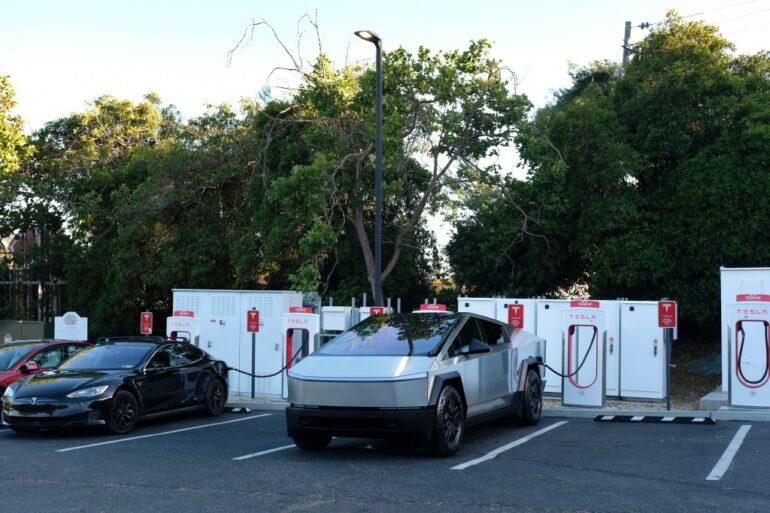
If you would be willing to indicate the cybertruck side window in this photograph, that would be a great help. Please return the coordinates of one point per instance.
(494, 333)
(463, 340)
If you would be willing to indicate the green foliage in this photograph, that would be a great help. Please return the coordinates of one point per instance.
(13, 143)
(643, 181)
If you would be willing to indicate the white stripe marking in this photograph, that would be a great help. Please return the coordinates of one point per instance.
(262, 453)
(500, 450)
(667, 419)
(724, 462)
(637, 419)
(160, 434)
(698, 419)
(608, 417)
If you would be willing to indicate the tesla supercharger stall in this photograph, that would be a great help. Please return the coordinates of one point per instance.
(749, 350)
(184, 325)
(301, 329)
(584, 335)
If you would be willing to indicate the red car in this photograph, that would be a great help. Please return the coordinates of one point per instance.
(22, 358)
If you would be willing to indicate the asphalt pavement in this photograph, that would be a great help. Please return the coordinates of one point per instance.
(245, 462)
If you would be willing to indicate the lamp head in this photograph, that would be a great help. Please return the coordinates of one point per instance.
(368, 35)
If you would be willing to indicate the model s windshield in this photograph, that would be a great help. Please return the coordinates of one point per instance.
(413, 334)
(109, 356)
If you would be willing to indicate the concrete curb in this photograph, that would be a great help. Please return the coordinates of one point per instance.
(590, 413)
(259, 405)
(725, 414)
(717, 415)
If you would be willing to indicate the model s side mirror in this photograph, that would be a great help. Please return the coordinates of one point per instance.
(30, 367)
(476, 347)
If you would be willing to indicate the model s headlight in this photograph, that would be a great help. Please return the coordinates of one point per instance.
(88, 392)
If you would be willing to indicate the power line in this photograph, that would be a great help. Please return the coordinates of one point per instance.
(749, 28)
(742, 16)
(719, 8)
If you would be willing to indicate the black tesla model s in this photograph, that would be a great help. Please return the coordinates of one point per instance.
(115, 383)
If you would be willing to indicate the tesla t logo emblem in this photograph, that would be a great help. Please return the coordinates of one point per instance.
(33, 400)
(666, 314)
(516, 316)
(252, 321)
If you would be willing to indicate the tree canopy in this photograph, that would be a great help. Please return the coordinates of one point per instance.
(642, 181)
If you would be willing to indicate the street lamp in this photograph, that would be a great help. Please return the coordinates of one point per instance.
(368, 35)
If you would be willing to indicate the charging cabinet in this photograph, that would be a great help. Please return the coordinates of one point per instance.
(337, 318)
(479, 305)
(548, 326)
(642, 351)
(223, 334)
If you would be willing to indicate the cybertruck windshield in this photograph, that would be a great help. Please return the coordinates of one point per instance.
(413, 334)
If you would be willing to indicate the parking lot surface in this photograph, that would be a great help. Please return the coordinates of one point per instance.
(245, 462)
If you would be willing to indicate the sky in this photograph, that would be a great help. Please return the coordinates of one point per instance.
(62, 54)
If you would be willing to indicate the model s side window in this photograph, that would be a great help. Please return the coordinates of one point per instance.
(161, 359)
(48, 358)
(185, 354)
(462, 342)
(494, 333)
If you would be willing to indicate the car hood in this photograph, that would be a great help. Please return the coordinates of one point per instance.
(361, 368)
(55, 384)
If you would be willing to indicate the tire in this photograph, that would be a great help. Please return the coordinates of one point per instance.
(448, 423)
(215, 398)
(24, 430)
(123, 413)
(532, 404)
(312, 442)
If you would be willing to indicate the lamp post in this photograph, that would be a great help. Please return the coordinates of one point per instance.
(368, 35)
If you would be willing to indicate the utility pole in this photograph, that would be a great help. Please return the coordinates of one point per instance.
(625, 44)
(627, 36)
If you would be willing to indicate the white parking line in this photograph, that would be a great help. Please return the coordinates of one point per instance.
(213, 424)
(515, 443)
(262, 453)
(667, 419)
(637, 419)
(724, 462)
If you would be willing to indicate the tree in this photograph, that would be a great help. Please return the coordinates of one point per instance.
(441, 111)
(13, 143)
(642, 180)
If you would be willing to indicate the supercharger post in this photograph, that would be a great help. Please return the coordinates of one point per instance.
(584, 335)
(252, 326)
(748, 337)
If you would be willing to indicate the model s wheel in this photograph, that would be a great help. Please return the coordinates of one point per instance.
(312, 442)
(215, 398)
(448, 423)
(123, 414)
(532, 407)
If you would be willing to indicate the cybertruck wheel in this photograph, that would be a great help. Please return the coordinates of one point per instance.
(448, 423)
(312, 442)
(532, 407)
